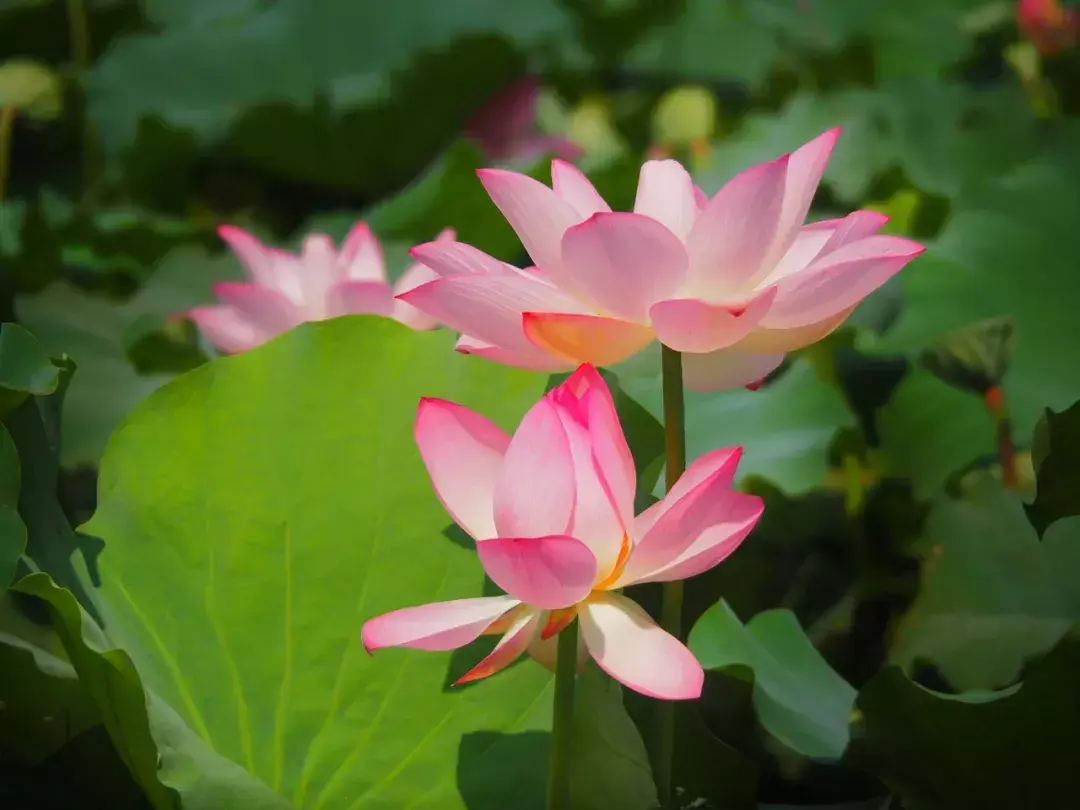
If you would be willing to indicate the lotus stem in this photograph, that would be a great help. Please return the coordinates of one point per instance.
(672, 602)
(7, 121)
(562, 727)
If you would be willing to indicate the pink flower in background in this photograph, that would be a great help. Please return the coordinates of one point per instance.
(505, 127)
(734, 281)
(321, 282)
(552, 514)
(1048, 24)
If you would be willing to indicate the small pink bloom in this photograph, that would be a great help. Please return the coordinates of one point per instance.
(286, 289)
(734, 282)
(505, 127)
(1048, 24)
(552, 512)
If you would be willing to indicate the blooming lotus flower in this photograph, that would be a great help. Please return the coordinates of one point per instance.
(552, 513)
(734, 281)
(321, 282)
(1048, 24)
(505, 127)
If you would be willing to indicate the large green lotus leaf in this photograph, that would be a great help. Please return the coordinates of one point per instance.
(785, 426)
(992, 595)
(278, 498)
(799, 698)
(977, 750)
(12, 528)
(95, 330)
(25, 367)
(917, 444)
(1006, 250)
(1056, 453)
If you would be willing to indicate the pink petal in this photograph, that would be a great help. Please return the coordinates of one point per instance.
(766, 341)
(693, 325)
(359, 298)
(437, 626)
(586, 338)
(534, 494)
(228, 329)
(489, 307)
(821, 238)
(687, 515)
(624, 262)
(252, 254)
(451, 258)
(463, 452)
(536, 213)
(361, 255)
(521, 633)
(533, 360)
(574, 188)
(319, 268)
(718, 466)
(727, 369)
(839, 280)
(632, 649)
(550, 572)
(855, 226)
(665, 193)
(700, 198)
(414, 276)
(805, 167)
(733, 233)
(264, 308)
(714, 543)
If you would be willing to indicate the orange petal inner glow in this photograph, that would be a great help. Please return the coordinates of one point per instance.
(620, 564)
(586, 338)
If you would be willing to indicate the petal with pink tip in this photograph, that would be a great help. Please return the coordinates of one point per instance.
(573, 187)
(839, 280)
(665, 193)
(532, 360)
(693, 325)
(264, 308)
(687, 516)
(359, 298)
(510, 647)
(625, 262)
(463, 452)
(727, 369)
(855, 226)
(733, 233)
(805, 168)
(632, 649)
(718, 466)
(436, 626)
(715, 543)
(534, 493)
(550, 572)
(228, 329)
(451, 258)
(586, 338)
(536, 213)
(767, 341)
(414, 276)
(361, 255)
(490, 308)
(255, 257)
(319, 268)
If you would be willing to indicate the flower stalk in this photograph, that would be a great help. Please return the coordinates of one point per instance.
(562, 727)
(672, 601)
(7, 123)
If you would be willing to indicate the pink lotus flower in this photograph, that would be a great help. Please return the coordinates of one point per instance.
(505, 127)
(552, 513)
(1048, 24)
(735, 281)
(321, 282)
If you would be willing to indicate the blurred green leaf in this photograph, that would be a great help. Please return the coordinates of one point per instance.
(785, 426)
(1057, 441)
(976, 751)
(992, 595)
(12, 528)
(258, 645)
(799, 698)
(974, 358)
(25, 367)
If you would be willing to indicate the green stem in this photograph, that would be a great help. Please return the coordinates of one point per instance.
(672, 603)
(7, 122)
(562, 727)
(79, 37)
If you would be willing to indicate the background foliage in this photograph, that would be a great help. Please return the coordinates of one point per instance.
(179, 613)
